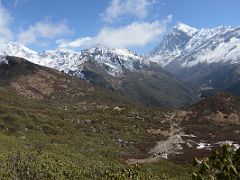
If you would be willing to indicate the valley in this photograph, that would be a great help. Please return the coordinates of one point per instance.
(102, 130)
(103, 113)
(75, 120)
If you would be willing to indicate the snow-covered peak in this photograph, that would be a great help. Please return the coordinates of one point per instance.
(114, 60)
(16, 49)
(120, 52)
(188, 46)
(186, 29)
(172, 44)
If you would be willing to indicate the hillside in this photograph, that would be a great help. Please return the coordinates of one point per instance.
(196, 131)
(37, 82)
(46, 111)
(117, 69)
(151, 86)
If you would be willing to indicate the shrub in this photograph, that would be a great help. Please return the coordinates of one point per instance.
(33, 165)
(218, 166)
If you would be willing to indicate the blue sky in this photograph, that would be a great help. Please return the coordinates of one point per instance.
(135, 24)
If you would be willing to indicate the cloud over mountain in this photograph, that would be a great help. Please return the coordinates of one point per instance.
(43, 29)
(135, 34)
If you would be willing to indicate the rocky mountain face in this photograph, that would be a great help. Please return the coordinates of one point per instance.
(112, 60)
(116, 69)
(205, 60)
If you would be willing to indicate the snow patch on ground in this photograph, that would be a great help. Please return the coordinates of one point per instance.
(203, 145)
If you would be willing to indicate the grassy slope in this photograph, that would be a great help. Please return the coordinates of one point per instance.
(93, 137)
(42, 109)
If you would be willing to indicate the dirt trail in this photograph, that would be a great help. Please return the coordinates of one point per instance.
(164, 148)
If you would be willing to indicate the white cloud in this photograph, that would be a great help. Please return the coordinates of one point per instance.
(120, 8)
(133, 35)
(5, 21)
(44, 29)
(80, 42)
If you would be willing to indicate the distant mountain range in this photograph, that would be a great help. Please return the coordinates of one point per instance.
(186, 59)
(68, 61)
(116, 69)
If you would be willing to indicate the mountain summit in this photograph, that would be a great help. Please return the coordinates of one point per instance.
(188, 46)
(202, 59)
(190, 31)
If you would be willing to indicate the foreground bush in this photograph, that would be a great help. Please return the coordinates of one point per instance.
(32, 165)
(219, 166)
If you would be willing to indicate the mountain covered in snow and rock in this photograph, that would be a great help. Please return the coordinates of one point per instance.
(69, 60)
(92, 111)
(189, 46)
(204, 59)
(116, 69)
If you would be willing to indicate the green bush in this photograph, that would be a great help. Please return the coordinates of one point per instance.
(33, 165)
(133, 172)
(218, 166)
(125, 173)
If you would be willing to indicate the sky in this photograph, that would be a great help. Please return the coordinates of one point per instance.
(135, 24)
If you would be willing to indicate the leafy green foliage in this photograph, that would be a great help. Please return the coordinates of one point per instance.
(34, 165)
(133, 172)
(224, 165)
(125, 173)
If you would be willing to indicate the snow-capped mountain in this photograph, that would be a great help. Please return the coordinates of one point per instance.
(114, 60)
(188, 46)
(17, 49)
(172, 44)
(205, 59)
(117, 69)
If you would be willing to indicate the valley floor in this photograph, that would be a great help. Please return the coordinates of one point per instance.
(95, 137)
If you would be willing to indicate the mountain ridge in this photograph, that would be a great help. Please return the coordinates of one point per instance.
(205, 61)
(118, 70)
(69, 60)
(191, 41)
(200, 59)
